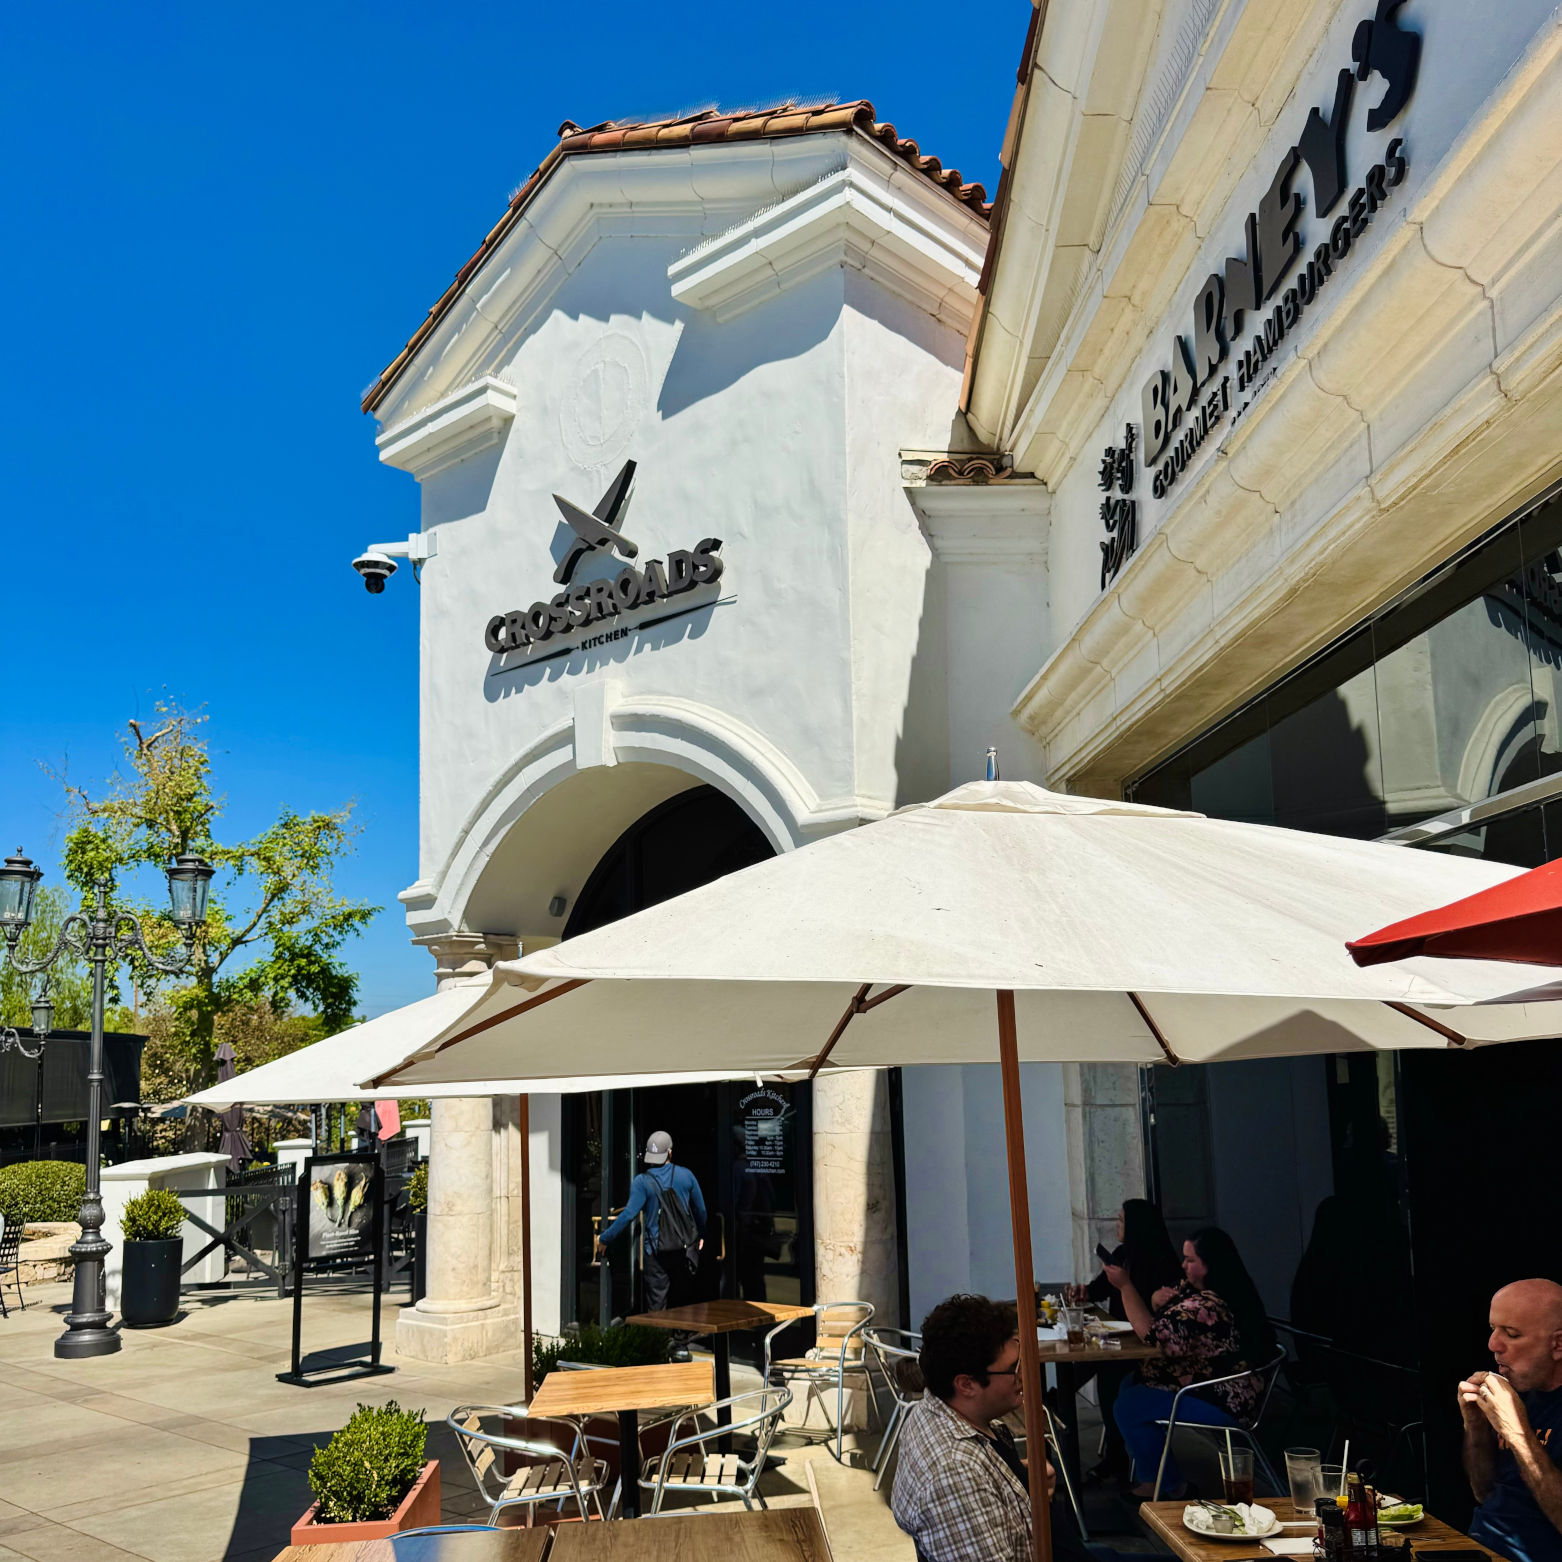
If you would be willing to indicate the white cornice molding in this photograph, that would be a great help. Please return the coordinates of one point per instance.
(985, 523)
(460, 425)
(896, 228)
(680, 192)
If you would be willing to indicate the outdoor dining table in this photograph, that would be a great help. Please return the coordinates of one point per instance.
(1068, 1359)
(625, 1392)
(777, 1535)
(719, 1319)
(1164, 1522)
(489, 1545)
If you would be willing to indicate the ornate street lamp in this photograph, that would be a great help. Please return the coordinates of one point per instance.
(99, 936)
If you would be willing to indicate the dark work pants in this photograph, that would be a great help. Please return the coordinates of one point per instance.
(668, 1283)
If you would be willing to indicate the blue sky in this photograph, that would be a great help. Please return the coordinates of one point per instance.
(221, 223)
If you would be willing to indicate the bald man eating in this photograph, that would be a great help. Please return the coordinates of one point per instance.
(1513, 1426)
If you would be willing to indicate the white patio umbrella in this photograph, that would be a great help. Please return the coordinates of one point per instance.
(1089, 929)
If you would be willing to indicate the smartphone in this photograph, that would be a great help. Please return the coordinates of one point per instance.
(1104, 1256)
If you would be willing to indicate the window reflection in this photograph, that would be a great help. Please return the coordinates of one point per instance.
(1450, 696)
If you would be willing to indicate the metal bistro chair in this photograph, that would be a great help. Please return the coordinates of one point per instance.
(836, 1355)
(686, 1466)
(10, 1262)
(895, 1353)
(555, 1475)
(1268, 1372)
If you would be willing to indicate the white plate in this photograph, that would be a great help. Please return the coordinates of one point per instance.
(1261, 1515)
(1384, 1523)
(1112, 1326)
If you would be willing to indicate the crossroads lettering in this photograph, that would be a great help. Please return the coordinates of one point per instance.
(1233, 313)
(576, 607)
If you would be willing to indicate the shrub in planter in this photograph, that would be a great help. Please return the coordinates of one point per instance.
(417, 1203)
(41, 1190)
(371, 1480)
(417, 1189)
(618, 1345)
(154, 1251)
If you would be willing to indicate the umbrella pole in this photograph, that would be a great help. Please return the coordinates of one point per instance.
(526, 1241)
(1024, 1281)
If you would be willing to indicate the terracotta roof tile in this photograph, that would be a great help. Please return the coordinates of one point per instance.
(700, 129)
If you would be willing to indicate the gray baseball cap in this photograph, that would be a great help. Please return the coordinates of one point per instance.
(657, 1149)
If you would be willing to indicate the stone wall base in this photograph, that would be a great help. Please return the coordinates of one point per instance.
(449, 1337)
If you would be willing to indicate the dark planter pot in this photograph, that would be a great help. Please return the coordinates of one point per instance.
(149, 1282)
(419, 1255)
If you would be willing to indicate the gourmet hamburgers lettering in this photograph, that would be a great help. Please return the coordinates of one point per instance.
(1243, 307)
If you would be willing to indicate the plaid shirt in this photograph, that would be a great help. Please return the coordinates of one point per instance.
(954, 1495)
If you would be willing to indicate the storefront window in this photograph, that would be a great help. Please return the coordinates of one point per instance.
(1450, 696)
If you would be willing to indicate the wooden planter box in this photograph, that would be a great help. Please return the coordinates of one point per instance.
(420, 1506)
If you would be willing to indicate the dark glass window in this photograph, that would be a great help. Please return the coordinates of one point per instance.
(1450, 695)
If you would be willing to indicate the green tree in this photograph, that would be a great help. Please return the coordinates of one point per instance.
(70, 983)
(275, 926)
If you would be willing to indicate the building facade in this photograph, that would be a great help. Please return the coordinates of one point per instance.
(701, 582)
(1273, 317)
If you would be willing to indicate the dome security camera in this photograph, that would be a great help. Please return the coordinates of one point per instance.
(376, 568)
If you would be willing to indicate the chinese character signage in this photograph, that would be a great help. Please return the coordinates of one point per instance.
(1119, 510)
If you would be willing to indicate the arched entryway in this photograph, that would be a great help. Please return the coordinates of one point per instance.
(748, 1146)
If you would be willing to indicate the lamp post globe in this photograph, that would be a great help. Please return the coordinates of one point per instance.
(188, 881)
(18, 882)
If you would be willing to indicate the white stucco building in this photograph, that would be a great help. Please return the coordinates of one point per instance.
(787, 629)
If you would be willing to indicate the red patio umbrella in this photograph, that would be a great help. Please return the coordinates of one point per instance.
(1519, 920)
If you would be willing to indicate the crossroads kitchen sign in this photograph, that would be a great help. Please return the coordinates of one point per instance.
(1244, 311)
(562, 623)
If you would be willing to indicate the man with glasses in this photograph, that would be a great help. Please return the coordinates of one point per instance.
(961, 1488)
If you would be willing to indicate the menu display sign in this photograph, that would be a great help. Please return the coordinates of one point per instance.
(340, 1206)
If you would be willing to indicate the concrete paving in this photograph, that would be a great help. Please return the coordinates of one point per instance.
(183, 1447)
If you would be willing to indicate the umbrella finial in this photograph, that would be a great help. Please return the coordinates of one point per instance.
(992, 764)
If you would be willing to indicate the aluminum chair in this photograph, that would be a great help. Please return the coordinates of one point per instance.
(836, 1355)
(687, 1466)
(1246, 1434)
(10, 1263)
(895, 1353)
(552, 1475)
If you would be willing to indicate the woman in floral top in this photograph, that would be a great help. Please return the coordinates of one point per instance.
(1210, 1326)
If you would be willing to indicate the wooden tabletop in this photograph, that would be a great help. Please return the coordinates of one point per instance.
(722, 1317)
(1164, 1521)
(606, 1389)
(493, 1545)
(779, 1535)
(1131, 1349)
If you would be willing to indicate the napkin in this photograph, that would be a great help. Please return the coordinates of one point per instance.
(1058, 1332)
(1290, 1545)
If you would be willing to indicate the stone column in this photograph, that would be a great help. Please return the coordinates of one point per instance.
(461, 1317)
(1101, 1113)
(855, 1252)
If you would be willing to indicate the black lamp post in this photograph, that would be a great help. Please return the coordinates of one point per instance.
(99, 936)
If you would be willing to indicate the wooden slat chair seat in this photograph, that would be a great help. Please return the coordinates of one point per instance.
(525, 1471)
(838, 1354)
(689, 1466)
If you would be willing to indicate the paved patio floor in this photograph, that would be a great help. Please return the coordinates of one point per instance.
(183, 1447)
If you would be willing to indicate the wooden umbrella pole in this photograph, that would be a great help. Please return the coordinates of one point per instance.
(526, 1241)
(1024, 1281)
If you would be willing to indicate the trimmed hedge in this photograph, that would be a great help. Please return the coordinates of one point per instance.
(370, 1465)
(417, 1189)
(41, 1190)
(618, 1345)
(153, 1216)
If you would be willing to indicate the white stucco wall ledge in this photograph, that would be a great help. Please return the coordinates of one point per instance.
(455, 427)
(901, 231)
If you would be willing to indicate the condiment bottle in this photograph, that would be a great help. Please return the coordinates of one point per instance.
(1361, 1518)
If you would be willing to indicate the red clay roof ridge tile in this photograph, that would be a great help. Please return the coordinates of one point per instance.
(697, 128)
